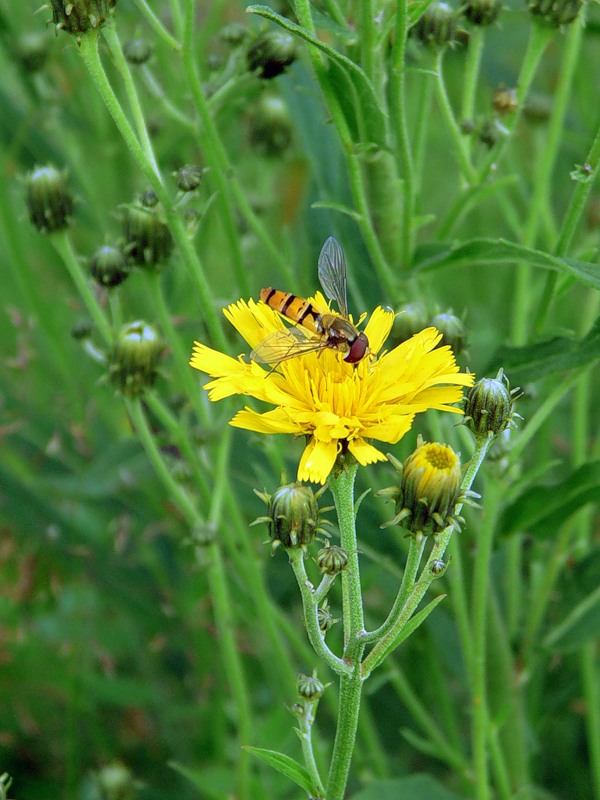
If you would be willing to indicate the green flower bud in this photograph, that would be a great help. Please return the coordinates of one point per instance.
(438, 567)
(325, 617)
(429, 489)
(148, 199)
(31, 51)
(437, 26)
(505, 100)
(489, 405)
(108, 266)
(409, 320)
(309, 687)
(115, 782)
(137, 51)
(271, 54)
(82, 330)
(482, 12)
(332, 559)
(148, 241)
(233, 34)
(555, 12)
(293, 515)
(453, 331)
(49, 201)
(271, 128)
(188, 177)
(79, 16)
(133, 362)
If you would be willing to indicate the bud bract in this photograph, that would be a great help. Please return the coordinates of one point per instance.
(148, 241)
(332, 559)
(429, 489)
(555, 12)
(489, 405)
(133, 362)
(108, 266)
(309, 687)
(271, 54)
(49, 200)
(79, 16)
(409, 320)
(436, 27)
(188, 177)
(482, 12)
(453, 331)
(292, 515)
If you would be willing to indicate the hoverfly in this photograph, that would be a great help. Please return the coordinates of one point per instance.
(319, 331)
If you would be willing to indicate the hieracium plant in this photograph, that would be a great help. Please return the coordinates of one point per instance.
(274, 529)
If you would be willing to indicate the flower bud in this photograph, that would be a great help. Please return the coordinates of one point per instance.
(271, 54)
(49, 201)
(30, 50)
(555, 12)
(453, 331)
(489, 405)
(108, 266)
(233, 34)
(437, 26)
(482, 12)
(429, 489)
(409, 320)
(148, 241)
(309, 687)
(325, 617)
(438, 567)
(115, 782)
(332, 559)
(133, 362)
(137, 51)
(188, 177)
(505, 100)
(79, 16)
(81, 330)
(292, 516)
(270, 125)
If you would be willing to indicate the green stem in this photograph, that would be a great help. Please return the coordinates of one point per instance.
(224, 175)
(216, 573)
(88, 50)
(457, 135)
(305, 725)
(399, 127)
(478, 678)
(342, 489)
(311, 618)
(156, 25)
(64, 247)
(471, 75)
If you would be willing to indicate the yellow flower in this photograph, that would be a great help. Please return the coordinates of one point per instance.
(338, 406)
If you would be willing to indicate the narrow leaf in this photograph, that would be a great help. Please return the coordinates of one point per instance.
(580, 626)
(287, 766)
(541, 510)
(367, 106)
(498, 251)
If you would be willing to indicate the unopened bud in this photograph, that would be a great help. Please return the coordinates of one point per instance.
(133, 362)
(271, 54)
(555, 12)
(49, 201)
(79, 16)
(436, 27)
(108, 266)
(309, 687)
(489, 405)
(148, 241)
(482, 12)
(453, 331)
(332, 559)
(429, 489)
(292, 516)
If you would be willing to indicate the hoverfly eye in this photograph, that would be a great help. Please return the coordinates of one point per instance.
(358, 349)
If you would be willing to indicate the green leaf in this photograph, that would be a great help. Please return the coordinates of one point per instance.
(498, 251)
(560, 354)
(343, 209)
(579, 605)
(351, 82)
(542, 510)
(419, 787)
(286, 765)
(213, 784)
(410, 627)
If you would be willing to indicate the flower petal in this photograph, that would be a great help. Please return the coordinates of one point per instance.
(378, 328)
(317, 461)
(364, 452)
(274, 421)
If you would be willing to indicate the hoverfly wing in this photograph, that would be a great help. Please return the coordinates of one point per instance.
(285, 344)
(332, 274)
